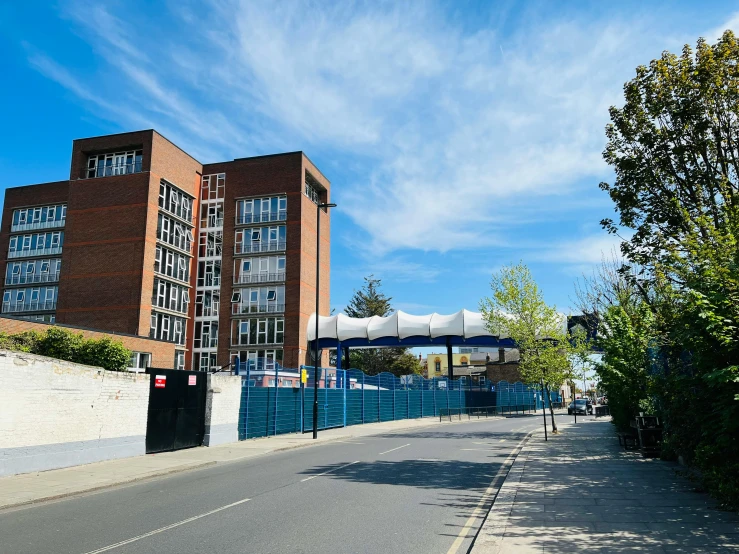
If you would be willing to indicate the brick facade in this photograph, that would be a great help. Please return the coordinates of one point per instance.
(162, 352)
(110, 236)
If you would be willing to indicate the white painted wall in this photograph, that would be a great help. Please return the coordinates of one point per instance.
(222, 405)
(57, 414)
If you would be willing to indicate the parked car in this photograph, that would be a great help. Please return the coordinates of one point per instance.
(579, 406)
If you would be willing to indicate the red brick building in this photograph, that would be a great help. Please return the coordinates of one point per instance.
(143, 239)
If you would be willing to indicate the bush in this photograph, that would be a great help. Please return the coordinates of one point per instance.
(62, 344)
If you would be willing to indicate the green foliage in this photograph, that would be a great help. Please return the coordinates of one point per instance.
(369, 300)
(625, 339)
(674, 147)
(517, 310)
(62, 344)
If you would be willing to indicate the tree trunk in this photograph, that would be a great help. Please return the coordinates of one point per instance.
(551, 408)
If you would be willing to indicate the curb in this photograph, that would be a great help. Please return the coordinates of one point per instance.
(490, 535)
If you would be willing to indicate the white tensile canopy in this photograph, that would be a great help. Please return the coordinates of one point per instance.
(400, 325)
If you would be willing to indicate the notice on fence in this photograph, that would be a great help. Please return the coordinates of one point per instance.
(192, 380)
(160, 381)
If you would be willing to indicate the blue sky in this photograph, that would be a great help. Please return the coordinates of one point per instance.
(458, 136)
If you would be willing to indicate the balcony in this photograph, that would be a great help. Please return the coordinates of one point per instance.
(255, 247)
(32, 306)
(38, 225)
(32, 278)
(241, 309)
(101, 170)
(245, 279)
(266, 217)
(37, 252)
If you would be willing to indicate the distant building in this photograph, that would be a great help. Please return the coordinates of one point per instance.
(436, 365)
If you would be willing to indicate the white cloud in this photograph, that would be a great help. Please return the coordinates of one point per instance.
(451, 129)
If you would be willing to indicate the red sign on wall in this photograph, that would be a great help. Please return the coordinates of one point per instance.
(160, 381)
(192, 380)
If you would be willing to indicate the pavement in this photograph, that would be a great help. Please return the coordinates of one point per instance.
(396, 487)
(580, 492)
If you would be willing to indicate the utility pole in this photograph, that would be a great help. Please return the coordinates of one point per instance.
(316, 361)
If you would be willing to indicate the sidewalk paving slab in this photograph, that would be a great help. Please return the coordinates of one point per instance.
(580, 492)
(29, 488)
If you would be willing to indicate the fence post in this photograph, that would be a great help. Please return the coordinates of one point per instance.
(248, 390)
(448, 384)
(363, 397)
(393, 398)
(302, 400)
(407, 402)
(277, 392)
(379, 399)
(345, 384)
(433, 395)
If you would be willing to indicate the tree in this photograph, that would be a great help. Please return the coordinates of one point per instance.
(517, 310)
(62, 344)
(674, 147)
(367, 302)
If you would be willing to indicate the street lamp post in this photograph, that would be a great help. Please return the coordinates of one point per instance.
(316, 361)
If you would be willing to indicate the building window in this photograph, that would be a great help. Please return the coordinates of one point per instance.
(463, 361)
(139, 361)
(167, 327)
(207, 303)
(175, 201)
(312, 188)
(27, 245)
(263, 239)
(179, 359)
(437, 365)
(209, 273)
(261, 210)
(258, 300)
(39, 217)
(119, 163)
(174, 233)
(269, 330)
(213, 187)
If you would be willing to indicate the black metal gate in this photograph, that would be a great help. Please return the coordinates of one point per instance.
(176, 417)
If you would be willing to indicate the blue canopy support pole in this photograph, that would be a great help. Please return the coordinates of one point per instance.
(338, 357)
(345, 382)
(449, 361)
(347, 361)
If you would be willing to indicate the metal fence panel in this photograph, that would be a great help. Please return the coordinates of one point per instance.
(353, 398)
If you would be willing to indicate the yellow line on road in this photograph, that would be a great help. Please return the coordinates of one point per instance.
(489, 492)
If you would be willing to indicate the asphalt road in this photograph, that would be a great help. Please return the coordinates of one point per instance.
(424, 490)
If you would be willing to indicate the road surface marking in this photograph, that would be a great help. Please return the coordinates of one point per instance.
(350, 442)
(476, 449)
(491, 491)
(392, 449)
(166, 528)
(327, 472)
(502, 440)
(429, 460)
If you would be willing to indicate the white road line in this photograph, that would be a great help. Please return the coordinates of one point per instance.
(327, 472)
(476, 449)
(502, 440)
(166, 528)
(491, 491)
(393, 449)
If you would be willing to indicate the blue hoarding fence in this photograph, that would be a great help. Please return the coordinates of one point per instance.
(275, 400)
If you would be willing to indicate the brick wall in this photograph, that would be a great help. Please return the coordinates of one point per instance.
(57, 414)
(222, 408)
(503, 372)
(162, 353)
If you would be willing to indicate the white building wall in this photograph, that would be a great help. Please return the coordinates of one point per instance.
(57, 414)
